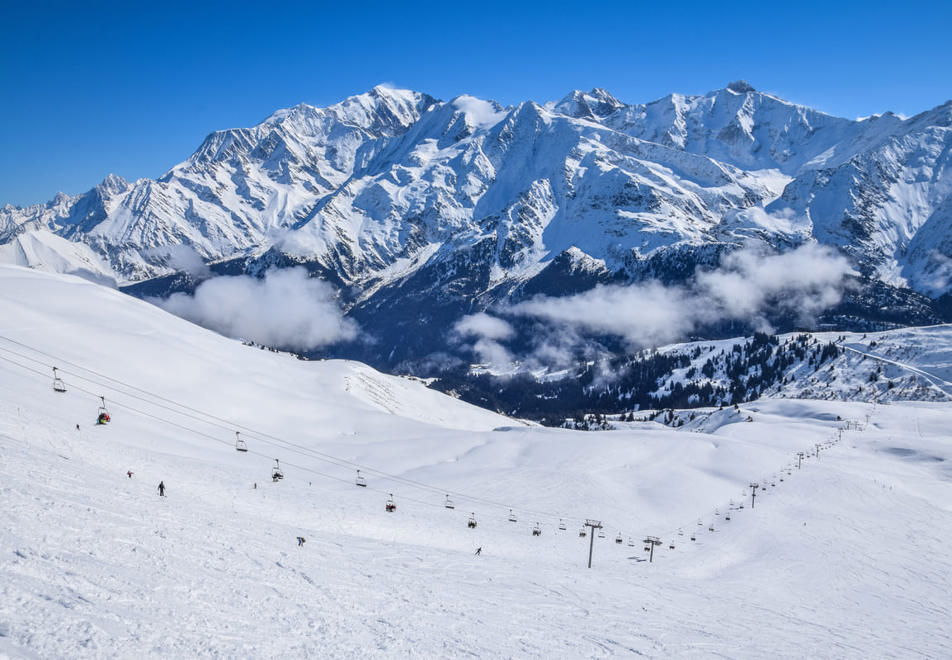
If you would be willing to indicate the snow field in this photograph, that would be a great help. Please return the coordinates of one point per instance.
(847, 557)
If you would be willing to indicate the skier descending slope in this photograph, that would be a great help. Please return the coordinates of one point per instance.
(161, 489)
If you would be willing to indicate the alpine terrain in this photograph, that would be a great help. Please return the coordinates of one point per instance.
(538, 237)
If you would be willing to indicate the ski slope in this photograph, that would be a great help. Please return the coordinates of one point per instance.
(846, 557)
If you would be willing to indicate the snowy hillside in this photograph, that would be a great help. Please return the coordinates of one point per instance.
(845, 556)
(912, 364)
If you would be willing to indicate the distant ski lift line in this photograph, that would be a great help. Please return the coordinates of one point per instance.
(216, 439)
(301, 449)
(297, 448)
(228, 424)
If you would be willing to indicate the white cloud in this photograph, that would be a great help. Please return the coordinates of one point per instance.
(286, 309)
(488, 331)
(748, 284)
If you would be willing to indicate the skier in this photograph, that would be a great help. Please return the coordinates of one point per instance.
(479, 551)
(161, 489)
(129, 473)
(300, 541)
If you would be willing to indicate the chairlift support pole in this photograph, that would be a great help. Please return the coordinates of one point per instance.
(753, 494)
(594, 524)
(651, 542)
(799, 459)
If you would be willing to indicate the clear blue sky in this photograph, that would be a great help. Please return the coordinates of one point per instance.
(132, 88)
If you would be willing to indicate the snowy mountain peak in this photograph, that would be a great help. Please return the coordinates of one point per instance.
(741, 87)
(588, 105)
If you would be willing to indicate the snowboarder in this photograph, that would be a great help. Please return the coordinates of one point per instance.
(300, 541)
(77, 427)
(161, 489)
(479, 551)
(129, 473)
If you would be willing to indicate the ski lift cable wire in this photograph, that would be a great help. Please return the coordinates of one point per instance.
(221, 441)
(126, 406)
(224, 424)
(230, 426)
(264, 437)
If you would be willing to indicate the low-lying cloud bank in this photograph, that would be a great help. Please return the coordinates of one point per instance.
(285, 309)
(747, 285)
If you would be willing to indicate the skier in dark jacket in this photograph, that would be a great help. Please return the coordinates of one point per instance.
(161, 489)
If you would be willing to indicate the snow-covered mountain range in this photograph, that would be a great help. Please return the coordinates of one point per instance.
(422, 211)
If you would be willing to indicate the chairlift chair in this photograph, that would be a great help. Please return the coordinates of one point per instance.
(601, 533)
(276, 473)
(680, 532)
(581, 532)
(671, 545)
(471, 523)
(360, 481)
(727, 516)
(449, 503)
(647, 548)
(562, 525)
(58, 384)
(391, 507)
(537, 531)
(103, 416)
(693, 536)
(239, 443)
(631, 541)
(619, 540)
(512, 516)
(711, 527)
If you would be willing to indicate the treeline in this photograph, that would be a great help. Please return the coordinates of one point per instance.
(698, 376)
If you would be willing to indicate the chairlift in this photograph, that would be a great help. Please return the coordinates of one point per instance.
(58, 384)
(619, 540)
(276, 473)
(699, 522)
(391, 507)
(717, 512)
(449, 503)
(103, 416)
(601, 533)
(693, 536)
(671, 545)
(537, 531)
(680, 532)
(360, 481)
(471, 523)
(631, 541)
(647, 548)
(711, 527)
(562, 525)
(239, 443)
(727, 516)
(512, 516)
(581, 532)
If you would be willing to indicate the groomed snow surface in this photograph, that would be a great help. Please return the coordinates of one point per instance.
(848, 556)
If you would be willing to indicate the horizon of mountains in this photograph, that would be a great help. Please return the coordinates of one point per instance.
(463, 231)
